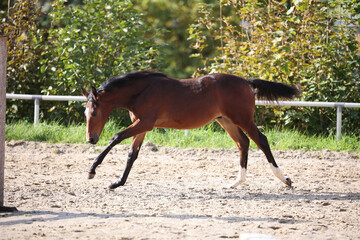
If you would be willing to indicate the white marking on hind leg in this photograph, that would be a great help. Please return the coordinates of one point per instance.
(240, 179)
(278, 173)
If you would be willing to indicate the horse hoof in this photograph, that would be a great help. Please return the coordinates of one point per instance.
(91, 175)
(288, 182)
(113, 186)
(235, 184)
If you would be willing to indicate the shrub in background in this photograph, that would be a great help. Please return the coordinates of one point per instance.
(310, 43)
(25, 45)
(83, 46)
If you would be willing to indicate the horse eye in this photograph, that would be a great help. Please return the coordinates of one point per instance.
(94, 114)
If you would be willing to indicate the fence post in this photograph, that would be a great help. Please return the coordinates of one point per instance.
(339, 108)
(36, 110)
(3, 60)
(187, 133)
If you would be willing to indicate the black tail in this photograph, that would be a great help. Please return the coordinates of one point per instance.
(272, 91)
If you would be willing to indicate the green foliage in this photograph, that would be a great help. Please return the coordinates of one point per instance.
(310, 43)
(173, 17)
(83, 46)
(24, 53)
(93, 42)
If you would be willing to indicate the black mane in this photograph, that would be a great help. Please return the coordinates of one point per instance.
(124, 79)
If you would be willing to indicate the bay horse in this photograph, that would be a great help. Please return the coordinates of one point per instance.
(155, 100)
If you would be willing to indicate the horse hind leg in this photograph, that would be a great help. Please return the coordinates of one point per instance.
(242, 142)
(262, 142)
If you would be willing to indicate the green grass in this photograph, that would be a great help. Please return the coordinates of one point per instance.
(291, 139)
(203, 137)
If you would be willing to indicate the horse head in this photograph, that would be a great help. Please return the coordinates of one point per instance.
(97, 114)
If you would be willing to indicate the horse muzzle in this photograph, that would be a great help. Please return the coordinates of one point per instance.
(93, 139)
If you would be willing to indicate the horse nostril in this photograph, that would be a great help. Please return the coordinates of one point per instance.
(93, 139)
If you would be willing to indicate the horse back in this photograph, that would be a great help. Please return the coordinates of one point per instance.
(191, 103)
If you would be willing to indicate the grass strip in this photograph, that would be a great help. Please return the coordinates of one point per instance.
(203, 137)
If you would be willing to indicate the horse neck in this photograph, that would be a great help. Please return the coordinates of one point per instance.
(122, 96)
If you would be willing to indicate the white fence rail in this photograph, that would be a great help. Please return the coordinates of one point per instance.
(38, 98)
(338, 105)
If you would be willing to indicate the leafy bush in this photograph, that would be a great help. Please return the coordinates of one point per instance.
(174, 17)
(84, 45)
(24, 53)
(310, 43)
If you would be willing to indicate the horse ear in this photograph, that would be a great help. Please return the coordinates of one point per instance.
(84, 93)
(94, 93)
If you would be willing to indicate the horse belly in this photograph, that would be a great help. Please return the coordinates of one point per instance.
(188, 116)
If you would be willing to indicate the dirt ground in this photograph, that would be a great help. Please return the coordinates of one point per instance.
(177, 193)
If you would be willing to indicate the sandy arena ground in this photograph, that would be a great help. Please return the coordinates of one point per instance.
(176, 193)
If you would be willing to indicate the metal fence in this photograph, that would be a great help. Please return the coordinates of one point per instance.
(338, 105)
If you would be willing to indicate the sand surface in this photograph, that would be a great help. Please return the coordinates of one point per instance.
(175, 193)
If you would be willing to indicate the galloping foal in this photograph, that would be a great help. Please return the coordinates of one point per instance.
(155, 100)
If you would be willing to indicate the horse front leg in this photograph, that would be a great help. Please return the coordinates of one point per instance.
(136, 128)
(102, 155)
(98, 161)
(133, 154)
